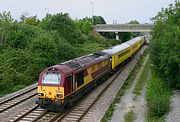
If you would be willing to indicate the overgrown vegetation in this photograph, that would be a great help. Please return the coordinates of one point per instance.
(165, 58)
(121, 92)
(130, 116)
(165, 44)
(141, 81)
(30, 45)
(158, 98)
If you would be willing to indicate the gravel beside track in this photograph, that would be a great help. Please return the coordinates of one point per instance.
(174, 114)
(127, 103)
(8, 115)
(12, 103)
(11, 95)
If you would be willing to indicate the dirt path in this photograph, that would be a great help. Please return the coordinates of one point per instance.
(174, 114)
(128, 103)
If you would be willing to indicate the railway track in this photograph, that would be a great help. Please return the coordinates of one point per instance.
(75, 113)
(81, 109)
(18, 98)
(33, 113)
(36, 114)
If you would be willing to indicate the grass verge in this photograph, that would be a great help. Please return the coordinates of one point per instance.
(121, 92)
(141, 81)
(158, 98)
(130, 116)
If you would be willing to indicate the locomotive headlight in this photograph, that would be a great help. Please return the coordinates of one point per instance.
(59, 95)
(40, 94)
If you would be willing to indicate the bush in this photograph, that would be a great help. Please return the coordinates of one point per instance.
(19, 35)
(158, 97)
(13, 69)
(164, 46)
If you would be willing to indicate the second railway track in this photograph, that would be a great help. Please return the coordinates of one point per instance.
(17, 100)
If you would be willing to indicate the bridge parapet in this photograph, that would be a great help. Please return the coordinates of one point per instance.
(123, 27)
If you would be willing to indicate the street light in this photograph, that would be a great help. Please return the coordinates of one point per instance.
(92, 12)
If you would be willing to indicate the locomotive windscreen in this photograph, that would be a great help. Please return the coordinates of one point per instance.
(51, 78)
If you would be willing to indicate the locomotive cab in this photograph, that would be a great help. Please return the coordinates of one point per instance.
(51, 87)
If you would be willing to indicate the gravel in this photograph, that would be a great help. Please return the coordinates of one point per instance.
(128, 104)
(9, 114)
(174, 114)
(17, 92)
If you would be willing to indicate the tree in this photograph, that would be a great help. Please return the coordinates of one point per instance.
(134, 34)
(165, 46)
(84, 25)
(98, 20)
(31, 20)
(133, 22)
(63, 25)
(6, 17)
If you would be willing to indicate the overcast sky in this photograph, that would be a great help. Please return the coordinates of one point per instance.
(121, 10)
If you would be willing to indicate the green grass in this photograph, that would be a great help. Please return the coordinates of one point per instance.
(158, 98)
(155, 119)
(141, 81)
(130, 116)
(121, 92)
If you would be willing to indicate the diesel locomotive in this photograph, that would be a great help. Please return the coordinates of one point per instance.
(63, 84)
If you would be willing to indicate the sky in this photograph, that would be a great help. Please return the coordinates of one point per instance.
(121, 11)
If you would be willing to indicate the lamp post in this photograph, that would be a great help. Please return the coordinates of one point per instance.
(92, 12)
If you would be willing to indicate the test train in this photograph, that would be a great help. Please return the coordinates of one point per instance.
(63, 84)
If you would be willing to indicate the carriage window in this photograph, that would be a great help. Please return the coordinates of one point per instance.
(51, 78)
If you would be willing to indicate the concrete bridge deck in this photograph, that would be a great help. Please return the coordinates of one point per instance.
(123, 27)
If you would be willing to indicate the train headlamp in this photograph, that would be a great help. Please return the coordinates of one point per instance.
(59, 95)
(40, 94)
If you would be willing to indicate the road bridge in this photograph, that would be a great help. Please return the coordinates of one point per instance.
(123, 27)
(117, 28)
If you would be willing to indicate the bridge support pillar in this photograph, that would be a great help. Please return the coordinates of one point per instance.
(117, 35)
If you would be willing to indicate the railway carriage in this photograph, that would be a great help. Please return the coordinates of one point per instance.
(65, 83)
(123, 51)
(118, 54)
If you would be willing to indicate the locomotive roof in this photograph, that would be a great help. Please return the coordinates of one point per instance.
(80, 62)
(116, 49)
(135, 40)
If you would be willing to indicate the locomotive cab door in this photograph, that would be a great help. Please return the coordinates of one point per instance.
(70, 80)
(79, 78)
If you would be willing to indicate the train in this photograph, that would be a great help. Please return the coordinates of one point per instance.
(63, 84)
